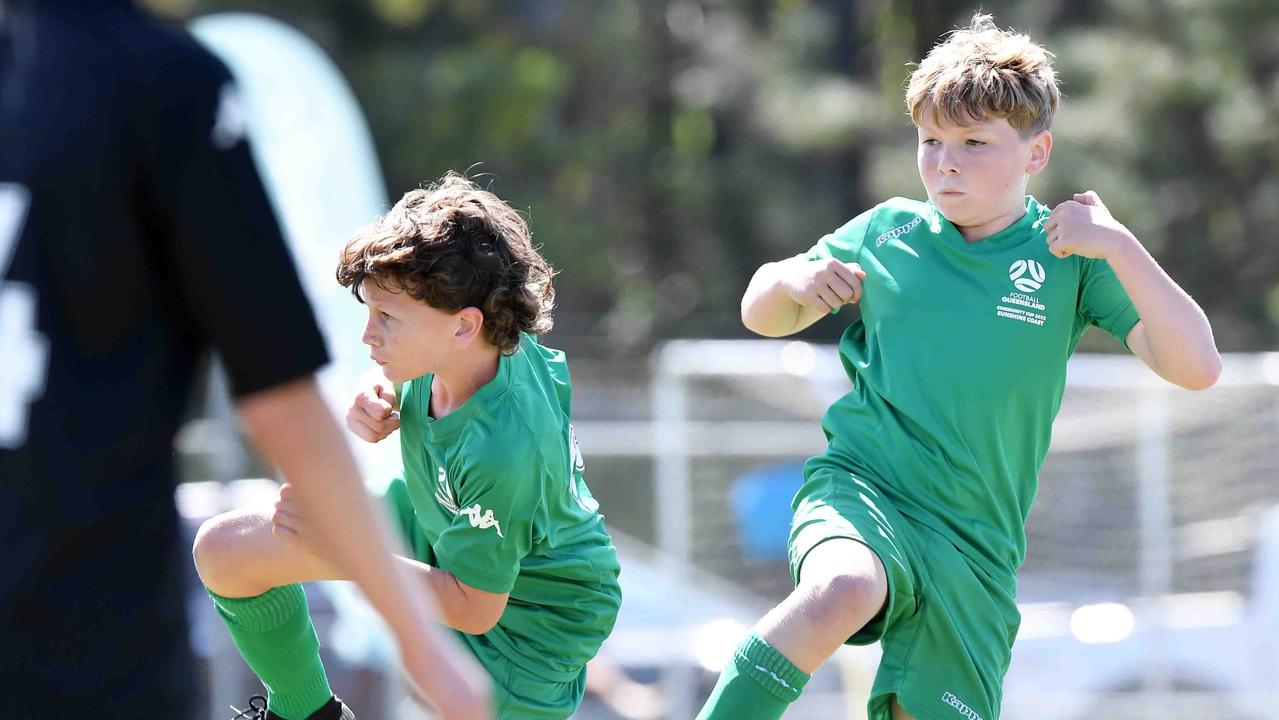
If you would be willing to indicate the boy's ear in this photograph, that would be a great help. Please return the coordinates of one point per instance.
(469, 324)
(1041, 146)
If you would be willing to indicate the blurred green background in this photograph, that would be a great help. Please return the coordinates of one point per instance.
(664, 150)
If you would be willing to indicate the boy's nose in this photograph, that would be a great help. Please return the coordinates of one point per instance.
(946, 164)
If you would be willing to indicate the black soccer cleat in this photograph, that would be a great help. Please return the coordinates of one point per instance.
(334, 709)
(255, 711)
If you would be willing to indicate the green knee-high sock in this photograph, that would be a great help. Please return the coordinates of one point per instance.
(274, 635)
(758, 684)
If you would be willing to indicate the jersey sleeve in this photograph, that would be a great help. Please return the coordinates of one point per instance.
(497, 498)
(221, 244)
(845, 244)
(1103, 302)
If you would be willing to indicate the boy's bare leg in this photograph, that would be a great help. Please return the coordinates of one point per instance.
(238, 555)
(254, 577)
(842, 587)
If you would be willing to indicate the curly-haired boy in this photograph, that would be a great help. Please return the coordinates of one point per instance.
(492, 502)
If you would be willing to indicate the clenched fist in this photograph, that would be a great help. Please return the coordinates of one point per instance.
(1084, 226)
(374, 412)
(825, 285)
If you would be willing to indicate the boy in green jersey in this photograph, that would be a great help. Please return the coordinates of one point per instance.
(492, 501)
(909, 528)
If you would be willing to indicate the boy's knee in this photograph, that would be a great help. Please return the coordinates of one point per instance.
(217, 545)
(845, 602)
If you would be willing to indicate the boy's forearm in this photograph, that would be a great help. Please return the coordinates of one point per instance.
(457, 610)
(766, 308)
(1177, 331)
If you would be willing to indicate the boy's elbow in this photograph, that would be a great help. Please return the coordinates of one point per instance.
(1207, 375)
(480, 626)
(748, 316)
(759, 328)
(764, 326)
(481, 610)
(480, 622)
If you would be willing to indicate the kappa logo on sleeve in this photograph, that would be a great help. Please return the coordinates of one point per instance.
(478, 516)
(484, 521)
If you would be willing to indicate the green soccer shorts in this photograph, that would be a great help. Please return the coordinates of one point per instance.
(948, 628)
(518, 693)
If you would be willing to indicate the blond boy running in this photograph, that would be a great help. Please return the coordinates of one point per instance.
(909, 528)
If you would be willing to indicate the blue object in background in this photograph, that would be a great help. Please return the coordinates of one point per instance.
(761, 503)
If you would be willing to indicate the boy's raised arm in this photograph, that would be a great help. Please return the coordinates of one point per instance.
(787, 296)
(1173, 336)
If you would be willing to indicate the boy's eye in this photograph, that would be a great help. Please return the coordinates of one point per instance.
(383, 315)
(976, 143)
(930, 141)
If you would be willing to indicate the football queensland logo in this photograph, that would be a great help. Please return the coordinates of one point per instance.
(1027, 275)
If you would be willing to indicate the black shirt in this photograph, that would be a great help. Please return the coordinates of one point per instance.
(135, 235)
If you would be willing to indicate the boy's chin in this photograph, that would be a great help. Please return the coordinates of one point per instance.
(960, 212)
(400, 377)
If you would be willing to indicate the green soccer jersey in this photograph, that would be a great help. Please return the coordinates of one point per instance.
(958, 363)
(498, 491)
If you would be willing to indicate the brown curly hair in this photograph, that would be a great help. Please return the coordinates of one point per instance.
(453, 245)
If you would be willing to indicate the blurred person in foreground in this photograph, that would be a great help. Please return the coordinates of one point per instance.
(910, 527)
(493, 500)
(135, 236)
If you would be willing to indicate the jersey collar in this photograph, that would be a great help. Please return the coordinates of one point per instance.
(453, 423)
(1028, 226)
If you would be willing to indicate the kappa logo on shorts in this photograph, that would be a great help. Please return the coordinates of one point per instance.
(951, 700)
(898, 231)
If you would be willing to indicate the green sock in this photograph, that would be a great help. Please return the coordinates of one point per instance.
(757, 685)
(274, 635)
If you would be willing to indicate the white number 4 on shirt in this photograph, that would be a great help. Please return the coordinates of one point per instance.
(25, 355)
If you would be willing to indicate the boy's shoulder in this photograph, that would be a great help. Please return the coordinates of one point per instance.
(527, 417)
(542, 372)
(895, 217)
(897, 210)
(542, 354)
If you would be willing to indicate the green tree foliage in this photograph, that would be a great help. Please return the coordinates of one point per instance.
(664, 149)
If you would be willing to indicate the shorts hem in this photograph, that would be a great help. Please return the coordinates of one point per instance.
(882, 711)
